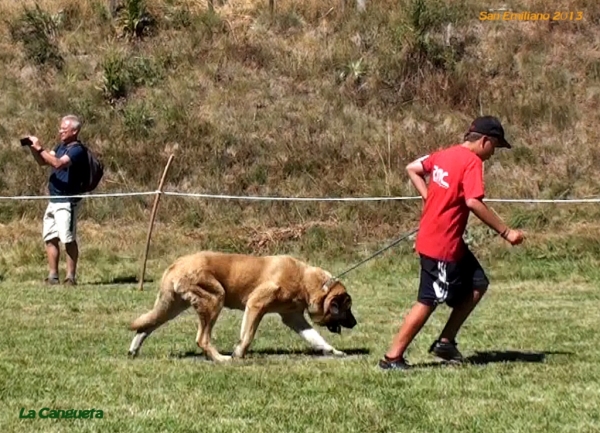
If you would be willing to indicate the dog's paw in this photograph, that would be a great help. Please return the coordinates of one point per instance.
(238, 353)
(334, 352)
(132, 353)
(223, 358)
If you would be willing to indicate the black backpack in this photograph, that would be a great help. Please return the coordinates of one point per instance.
(92, 174)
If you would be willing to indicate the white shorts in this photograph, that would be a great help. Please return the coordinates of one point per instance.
(60, 221)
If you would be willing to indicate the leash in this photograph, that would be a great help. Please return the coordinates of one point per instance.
(397, 241)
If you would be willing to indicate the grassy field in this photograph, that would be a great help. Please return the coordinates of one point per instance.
(313, 100)
(532, 343)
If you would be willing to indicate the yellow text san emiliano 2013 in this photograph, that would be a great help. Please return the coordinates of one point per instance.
(531, 16)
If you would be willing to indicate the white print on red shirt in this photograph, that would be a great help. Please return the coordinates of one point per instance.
(438, 176)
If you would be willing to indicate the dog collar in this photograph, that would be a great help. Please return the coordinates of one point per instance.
(329, 284)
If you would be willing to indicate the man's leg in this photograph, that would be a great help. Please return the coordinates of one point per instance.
(51, 241)
(53, 255)
(72, 257)
(66, 223)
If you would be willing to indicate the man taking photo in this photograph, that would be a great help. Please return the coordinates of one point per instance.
(68, 162)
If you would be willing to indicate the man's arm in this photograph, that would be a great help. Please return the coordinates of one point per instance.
(37, 157)
(416, 173)
(46, 157)
(480, 209)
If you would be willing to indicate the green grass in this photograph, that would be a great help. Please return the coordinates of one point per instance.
(315, 100)
(66, 348)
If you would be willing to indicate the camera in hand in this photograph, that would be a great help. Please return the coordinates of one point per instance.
(26, 141)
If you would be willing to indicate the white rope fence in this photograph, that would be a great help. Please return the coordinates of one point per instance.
(272, 198)
(46, 197)
(267, 198)
(158, 193)
(293, 199)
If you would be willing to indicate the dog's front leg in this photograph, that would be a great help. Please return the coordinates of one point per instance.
(136, 343)
(297, 322)
(252, 317)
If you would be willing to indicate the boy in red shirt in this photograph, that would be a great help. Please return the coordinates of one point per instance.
(450, 273)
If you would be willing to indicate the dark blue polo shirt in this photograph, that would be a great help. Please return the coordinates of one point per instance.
(67, 181)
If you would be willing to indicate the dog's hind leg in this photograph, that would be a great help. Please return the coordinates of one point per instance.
(208, 298)
(167, 307)
(298, 323)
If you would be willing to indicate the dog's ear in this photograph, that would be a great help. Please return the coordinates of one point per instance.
(334, 306)
(347, 301)
(339, 303)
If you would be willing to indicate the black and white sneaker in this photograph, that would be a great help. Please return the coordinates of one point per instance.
(446, 351)
(393, 364)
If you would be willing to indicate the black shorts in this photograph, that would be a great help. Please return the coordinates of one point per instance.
(450, 282)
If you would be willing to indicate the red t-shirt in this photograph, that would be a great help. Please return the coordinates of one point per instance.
(455, 175)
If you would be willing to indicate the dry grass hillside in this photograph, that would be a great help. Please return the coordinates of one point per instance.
(314, 100)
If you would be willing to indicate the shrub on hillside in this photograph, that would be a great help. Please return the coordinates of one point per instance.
(37, 30)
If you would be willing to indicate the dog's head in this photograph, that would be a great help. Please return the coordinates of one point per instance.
(334, 310)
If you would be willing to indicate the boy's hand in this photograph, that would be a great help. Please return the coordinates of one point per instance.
(514, 237)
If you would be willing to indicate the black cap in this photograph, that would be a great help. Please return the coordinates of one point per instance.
(490, 126)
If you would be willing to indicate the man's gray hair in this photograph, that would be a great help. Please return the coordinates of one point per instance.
(74, 121)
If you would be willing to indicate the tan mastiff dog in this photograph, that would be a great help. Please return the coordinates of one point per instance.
(209, 281)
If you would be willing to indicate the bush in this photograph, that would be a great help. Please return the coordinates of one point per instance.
(134, 19)
(37, 30)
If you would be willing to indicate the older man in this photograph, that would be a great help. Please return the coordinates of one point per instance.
(69, 164)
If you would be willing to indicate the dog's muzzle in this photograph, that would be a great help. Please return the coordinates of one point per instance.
(335, 328)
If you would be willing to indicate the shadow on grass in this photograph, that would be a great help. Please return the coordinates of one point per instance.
(496, 356)
(122, 279)
(481, 358)
(277, 353)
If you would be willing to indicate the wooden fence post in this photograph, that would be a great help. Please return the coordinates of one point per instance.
(152, 217)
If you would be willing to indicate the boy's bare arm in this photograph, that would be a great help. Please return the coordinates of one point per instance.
(493, 221)
(416, 173)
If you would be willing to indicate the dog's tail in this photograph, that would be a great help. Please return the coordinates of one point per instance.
(165, 308)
